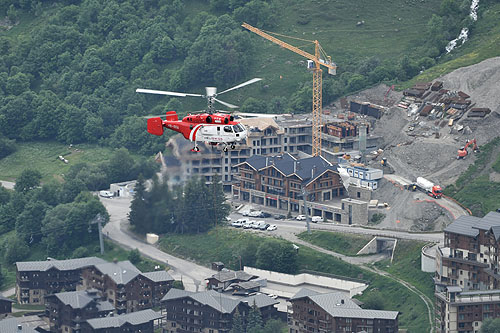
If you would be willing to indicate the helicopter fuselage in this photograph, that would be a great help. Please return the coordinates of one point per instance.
(211, 128)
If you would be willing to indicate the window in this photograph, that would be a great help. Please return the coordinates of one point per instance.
(228, 129)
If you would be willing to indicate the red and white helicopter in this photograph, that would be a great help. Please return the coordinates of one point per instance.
(212, 126)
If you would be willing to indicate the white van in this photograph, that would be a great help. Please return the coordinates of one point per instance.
(316, 219)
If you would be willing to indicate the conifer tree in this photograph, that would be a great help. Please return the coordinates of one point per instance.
(138, 215)
(238, 324)
(254, 320)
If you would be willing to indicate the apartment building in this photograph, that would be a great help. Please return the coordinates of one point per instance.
(459, 311)
(277, 182)
(467, 279)
(311, 311)
(125, 287)
(143, 321)
(66, 311)
(209, 311)
(35, 279)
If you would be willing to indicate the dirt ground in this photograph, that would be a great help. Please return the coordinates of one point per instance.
(412, 156)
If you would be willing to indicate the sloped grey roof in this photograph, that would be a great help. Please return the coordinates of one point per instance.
(62, 265)
(363, 313)
(215, 300)
(158, 276)
(10, 325)
(261, 300)
(75, 299)
(335, 300)
(496, 231)
(121, 272)
(340, 305)
(105, 306)
(306, 169)
(3, 298)
(224, 276)
(304, 292)
(490, 220)
(463, 225)
(133, 318)
(246, 284)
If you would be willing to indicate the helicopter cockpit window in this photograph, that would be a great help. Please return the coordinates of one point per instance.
(228, 129)
(238, 128)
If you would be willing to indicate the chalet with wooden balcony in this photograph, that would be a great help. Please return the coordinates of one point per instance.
(35, 279)
(125, 287)
(209, 311)
(278, 181)
(143, 321)
(66, 311)
(336, 312)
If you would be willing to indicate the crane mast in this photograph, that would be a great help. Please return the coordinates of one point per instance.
(317, 80)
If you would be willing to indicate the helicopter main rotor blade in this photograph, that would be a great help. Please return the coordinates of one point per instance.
(226, 104)
(241, 85)
(169, 93)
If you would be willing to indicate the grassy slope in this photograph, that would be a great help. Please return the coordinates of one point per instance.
(406, 266)
(223, 244)
(333, 24)
(43, 156)
(483, 44)
(340, 243)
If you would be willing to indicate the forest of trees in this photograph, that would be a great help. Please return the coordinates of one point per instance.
(192, 208)
(73, 78)
(54, 217)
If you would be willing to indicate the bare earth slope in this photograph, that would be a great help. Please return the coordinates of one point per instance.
(434, 158)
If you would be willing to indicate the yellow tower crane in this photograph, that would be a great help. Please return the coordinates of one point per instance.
(315, 62)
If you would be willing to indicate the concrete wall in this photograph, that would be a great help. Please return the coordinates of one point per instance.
(355, 211)
(428, 258)
(369, 248)
(352, 287)
(360, 193)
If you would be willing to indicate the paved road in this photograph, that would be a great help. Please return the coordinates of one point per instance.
(293, 226)
(7, 185)
(192, 275)
(447, 203)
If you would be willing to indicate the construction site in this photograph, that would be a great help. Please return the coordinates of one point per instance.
(431, 130)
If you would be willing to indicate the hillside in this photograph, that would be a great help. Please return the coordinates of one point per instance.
(70, 71)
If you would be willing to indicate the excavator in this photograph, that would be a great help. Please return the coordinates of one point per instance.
(463, 152)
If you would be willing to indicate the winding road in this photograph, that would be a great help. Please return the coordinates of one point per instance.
(191, 274)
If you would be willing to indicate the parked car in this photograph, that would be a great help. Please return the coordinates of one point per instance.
(300, 217)
(279, 217)
(264, 226)
(272, 227)
(257, 224)
(106, 194)
(264, 215)
(248, 224)
(228, 219)
(316, 219)
(238, 223)
(245, 213)
(255, 213)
